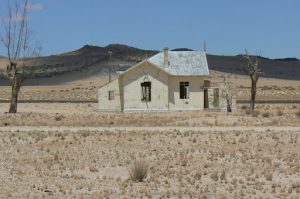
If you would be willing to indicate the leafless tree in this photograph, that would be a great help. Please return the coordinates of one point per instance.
(253, 70)
(16, 38)
(227, 92)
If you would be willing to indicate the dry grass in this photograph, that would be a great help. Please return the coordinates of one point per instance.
(86, 115)
(85, 88)
(139, 171)
(298, 113)
(188, 164)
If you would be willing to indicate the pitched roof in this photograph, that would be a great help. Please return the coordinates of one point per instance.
(183, 62)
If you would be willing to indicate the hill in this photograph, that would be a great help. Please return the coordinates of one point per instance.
(95, 61)
(83, 63)
(288, 68)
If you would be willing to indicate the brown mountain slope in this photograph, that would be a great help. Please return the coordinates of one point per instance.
(94, 61)
(83, 63)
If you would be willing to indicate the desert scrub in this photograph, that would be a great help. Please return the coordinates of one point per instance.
(255, 114)
(139, 171)
(279, 113)
(266, 114)
(298, 113)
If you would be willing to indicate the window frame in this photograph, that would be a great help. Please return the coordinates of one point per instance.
(111, 95)
(184, 90)
(146, 91)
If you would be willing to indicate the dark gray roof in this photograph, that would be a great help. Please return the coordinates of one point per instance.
(183, 62)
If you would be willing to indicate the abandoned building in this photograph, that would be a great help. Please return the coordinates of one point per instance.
(168, 81)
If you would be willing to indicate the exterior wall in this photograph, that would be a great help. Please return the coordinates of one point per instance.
(132, 91)
(165, 91)
(196, 93)
(104, 104)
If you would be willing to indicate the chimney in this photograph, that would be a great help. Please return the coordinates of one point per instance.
(166, 56)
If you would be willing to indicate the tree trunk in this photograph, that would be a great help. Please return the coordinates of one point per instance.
(253, 94)
(14, 96)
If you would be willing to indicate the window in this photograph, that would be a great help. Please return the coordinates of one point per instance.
(146, 91)
(184, 90)
(111, 95)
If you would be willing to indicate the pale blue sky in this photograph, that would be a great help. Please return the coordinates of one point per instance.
(267, 27)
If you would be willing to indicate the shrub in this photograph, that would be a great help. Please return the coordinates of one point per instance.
(93, 169)
(139, 171)
(266, 114)
(248, 111)
(279, 113)
(59, 117)
(214, 176)
(198, 176)
(244, 107)
(255, 114)
(269, 176)
(298, 113)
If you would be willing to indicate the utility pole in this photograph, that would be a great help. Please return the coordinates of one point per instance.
(109, 67)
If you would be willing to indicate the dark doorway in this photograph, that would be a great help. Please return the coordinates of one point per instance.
(146, 91)
(205, 98)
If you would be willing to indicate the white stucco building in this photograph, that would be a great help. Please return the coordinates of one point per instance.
(170, 80)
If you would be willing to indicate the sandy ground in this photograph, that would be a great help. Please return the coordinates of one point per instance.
(148, 129)
(86, 89)
(181, 164)
(68, 150)
(63, 114)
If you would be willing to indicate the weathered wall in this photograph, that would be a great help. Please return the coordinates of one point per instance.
(104, 104)
(164, 91)
(196, 93)
(132, 90)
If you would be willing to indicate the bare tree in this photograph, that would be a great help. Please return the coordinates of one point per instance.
(16, 38)
(227, 92)
(253, 70)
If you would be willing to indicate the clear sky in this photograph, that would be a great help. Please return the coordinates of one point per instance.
(270, 28)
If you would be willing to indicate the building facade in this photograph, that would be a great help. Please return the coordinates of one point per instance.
(168, 81)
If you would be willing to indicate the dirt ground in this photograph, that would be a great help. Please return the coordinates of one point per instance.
(86, 89)
(68, 114)
(182, 164)
(188, 154)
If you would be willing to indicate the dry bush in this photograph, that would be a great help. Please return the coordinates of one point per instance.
(139, 171)
(247, 111)
(59, 117)
(244, 107)
(266, 114)
(93, 169)
(269, 176)
(255, 114)
(298, 113)
(214, 176)
(279, 113)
